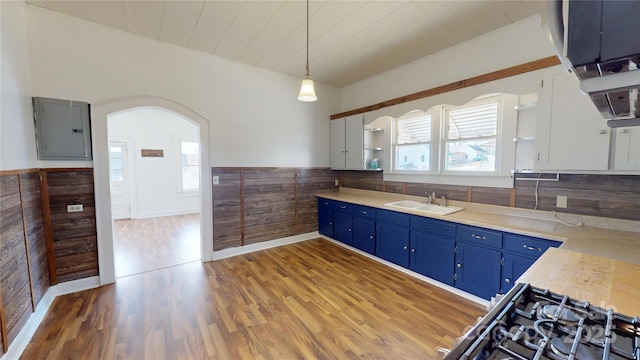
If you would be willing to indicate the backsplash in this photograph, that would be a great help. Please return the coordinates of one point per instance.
(612, 196)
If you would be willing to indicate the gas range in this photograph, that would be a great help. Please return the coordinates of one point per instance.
(532, 323)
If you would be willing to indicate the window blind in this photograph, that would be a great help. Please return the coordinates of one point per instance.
(414, 130)
(472, 122)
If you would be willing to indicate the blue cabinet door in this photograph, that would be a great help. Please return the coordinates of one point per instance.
(325, 217)
(514, 266)
(432, 256)
(364, 234)
(478, 270)
(392, 243)
(343, 228)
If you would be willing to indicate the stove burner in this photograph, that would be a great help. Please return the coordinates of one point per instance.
(562, 348)
(566, 316)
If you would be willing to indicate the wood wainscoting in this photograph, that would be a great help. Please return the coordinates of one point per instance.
(24, 268)
(309, 300)
(252, 205)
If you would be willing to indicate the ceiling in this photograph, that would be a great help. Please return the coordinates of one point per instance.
(349, 40)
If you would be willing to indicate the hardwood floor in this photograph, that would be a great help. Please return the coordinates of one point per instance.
(310, 300)
(149, 244)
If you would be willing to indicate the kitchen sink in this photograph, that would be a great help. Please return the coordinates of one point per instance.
(429, 208)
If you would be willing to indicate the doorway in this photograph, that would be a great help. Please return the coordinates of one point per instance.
(154, 186)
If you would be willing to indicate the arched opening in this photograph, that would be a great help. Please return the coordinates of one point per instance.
(104, 220)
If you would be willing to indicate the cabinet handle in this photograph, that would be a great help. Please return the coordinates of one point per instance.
(532, 248)
(603, 131)
(459, 266)
(343, 207)
(478, 237)
(364, 212)
(404, 248)
(507, 280)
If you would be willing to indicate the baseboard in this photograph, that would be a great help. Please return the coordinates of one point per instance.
(26, 333)
(227, 253)
(154, 214)
(426, 279)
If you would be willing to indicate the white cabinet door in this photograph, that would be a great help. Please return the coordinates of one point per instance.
(627, 149)
(571, 133)
(338, 159)
(354, 146)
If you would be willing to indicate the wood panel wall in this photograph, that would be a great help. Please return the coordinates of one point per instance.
(16, 301)
(613, 196)
(74, 236)
(34, 230)
(252, 205)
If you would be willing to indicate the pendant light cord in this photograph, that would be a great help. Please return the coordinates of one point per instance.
(307, 68)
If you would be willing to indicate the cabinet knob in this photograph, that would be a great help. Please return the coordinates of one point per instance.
(349, 230)
(624, 131)
(404, 248)
(330, 223)
(413, 250)
(371, 237)
(603, 131)
(459, 266)
(507, 280)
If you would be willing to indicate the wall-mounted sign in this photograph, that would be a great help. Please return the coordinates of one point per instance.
(152, 153)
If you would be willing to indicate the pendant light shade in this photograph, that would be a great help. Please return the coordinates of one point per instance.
(307, 90)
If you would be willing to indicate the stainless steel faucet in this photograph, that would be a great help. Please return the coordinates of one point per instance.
(430, 197)
(444, 201)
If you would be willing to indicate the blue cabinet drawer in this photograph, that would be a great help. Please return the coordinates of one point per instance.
(479, 236)
(392, 217)
(326, 203)
(364, 211)
(433, 226)
(526, 245)
(342, 206)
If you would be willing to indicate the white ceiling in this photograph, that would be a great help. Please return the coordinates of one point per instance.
(349, 40)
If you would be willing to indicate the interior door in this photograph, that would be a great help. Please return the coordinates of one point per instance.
(119, 177)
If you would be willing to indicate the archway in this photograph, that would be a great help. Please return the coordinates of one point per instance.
(104, 222)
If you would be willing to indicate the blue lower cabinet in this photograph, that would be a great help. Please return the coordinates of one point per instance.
(364, 234)
(392, 243)
(477, 270)
(514, 266)
(432, 256)
(343, 228)
(325, 217)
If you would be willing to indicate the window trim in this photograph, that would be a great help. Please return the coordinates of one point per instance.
(180, 191)
(433, 142)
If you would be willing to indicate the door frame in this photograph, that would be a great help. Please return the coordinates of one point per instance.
(130, 170)
(100, 147)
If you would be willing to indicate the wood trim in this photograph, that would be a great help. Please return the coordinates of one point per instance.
(242, 207)
(3, 324)
(48, 228)
(512, 200)
(472, 81)
(295, 201)
(469, 193)
(26, 244)
(18, 172)
(65, 169)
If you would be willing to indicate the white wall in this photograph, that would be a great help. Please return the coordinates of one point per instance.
(513, 45)
(156, 180)
(255, 117)
(17, 132)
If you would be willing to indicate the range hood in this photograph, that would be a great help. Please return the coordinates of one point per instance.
(599, 41)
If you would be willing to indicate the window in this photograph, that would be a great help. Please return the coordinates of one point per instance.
(413, 142)
(471, 136)
(190, 164)
(116, 166)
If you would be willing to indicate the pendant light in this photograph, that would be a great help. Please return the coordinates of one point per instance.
(307, 91)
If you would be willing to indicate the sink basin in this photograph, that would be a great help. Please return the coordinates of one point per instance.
(429, 208)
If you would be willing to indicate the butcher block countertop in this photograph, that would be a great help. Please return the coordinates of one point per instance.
(598, 262)
(605, 283)
(610, 238)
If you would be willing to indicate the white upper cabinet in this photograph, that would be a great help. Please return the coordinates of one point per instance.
(347, 143)
(571, 134)
(627, 149)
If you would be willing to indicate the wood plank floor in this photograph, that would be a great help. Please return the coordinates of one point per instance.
(310, 300)
(149, 244)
